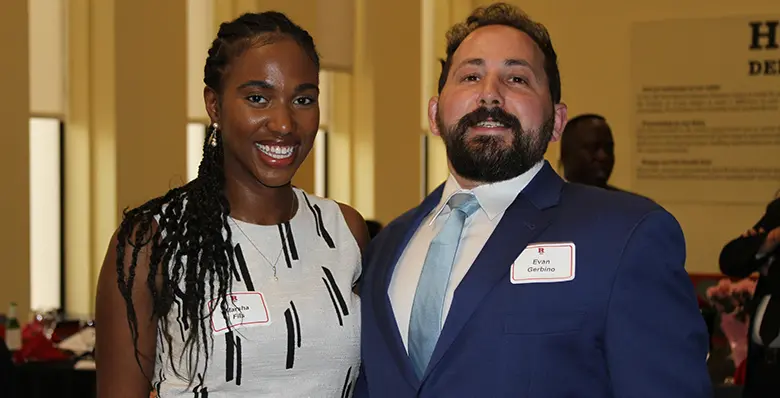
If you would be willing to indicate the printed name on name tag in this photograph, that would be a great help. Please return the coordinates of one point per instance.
(544, 263)
(243, 309)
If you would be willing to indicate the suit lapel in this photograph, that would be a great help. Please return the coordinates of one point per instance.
(522, 222)
(397, 241)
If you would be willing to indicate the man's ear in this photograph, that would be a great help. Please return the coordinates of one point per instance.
(433, 114)
(211, 100)
(561, 118)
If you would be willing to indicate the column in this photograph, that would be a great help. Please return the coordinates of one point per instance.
(128, 111)
(387, 173)
(340, 182)
(79, 264)
(15, 115)
(438, 16)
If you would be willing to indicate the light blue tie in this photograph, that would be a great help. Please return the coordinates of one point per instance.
(426, 319)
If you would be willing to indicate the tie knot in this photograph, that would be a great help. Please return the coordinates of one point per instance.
(465, 202)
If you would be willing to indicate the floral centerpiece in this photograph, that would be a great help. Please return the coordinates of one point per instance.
(730, 299)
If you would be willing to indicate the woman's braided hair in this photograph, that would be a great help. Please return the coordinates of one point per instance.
(188, 247)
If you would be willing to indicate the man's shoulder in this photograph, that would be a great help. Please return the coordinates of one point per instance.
(610, 207)
(614, 188)
(609, 199)
(615, 220)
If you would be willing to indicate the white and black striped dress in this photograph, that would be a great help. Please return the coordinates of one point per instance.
(310, 344)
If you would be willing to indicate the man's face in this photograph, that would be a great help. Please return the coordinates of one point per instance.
(593, 154)
(495, 113)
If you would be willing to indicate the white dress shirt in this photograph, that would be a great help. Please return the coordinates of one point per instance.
(493, 199)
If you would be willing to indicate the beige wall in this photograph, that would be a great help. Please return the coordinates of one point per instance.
(47, 57)
(126, 123)
(46, 26)
(386, 91)
(330, 22)
(200, 33)
(123, 113)
(15, 202)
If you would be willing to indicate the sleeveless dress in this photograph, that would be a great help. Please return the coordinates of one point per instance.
(296, 335)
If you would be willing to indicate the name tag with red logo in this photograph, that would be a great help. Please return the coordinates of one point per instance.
(244, 309)
(544, 263)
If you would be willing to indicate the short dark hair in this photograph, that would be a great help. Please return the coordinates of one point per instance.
(571, 126)
(506, 15)
(574, 122)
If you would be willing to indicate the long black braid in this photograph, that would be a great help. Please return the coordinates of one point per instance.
(188, 247)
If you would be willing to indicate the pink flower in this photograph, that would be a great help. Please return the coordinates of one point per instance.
(730, 297)
(746, 285)
(722, 289)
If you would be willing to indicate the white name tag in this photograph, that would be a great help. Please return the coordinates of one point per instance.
(544, 263)
(243, 309)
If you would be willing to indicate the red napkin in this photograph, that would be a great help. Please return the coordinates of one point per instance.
(36, 347)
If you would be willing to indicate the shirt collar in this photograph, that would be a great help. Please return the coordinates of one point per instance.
(493, 198)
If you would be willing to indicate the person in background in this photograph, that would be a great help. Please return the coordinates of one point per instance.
(238, 284)
(758, 250)
(507, 281)
(588, 151)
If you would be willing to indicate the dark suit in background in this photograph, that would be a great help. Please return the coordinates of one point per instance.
(739, 259)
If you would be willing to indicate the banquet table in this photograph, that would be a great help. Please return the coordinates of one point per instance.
(62, 380)
(53, 380)
(728, 391)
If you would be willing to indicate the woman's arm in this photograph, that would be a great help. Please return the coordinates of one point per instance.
(118, 372)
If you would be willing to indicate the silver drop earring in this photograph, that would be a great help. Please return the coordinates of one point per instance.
(213, 138)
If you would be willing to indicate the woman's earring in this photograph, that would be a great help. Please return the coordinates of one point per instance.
(213, 138)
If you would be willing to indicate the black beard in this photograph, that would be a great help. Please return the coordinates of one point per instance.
(488, 159)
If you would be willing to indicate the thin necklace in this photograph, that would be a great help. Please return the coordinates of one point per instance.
(278, 256)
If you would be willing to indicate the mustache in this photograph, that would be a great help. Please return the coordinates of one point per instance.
(482, 114)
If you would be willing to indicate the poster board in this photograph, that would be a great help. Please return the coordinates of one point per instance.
(706, 112)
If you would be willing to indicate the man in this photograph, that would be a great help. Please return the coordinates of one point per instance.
(758, 250)
(588, 151)
(555, 289)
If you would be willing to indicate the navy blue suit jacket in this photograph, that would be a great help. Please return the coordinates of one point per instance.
(628, 325)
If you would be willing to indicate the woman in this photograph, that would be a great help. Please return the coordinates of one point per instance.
(758, 249)
(238, 284)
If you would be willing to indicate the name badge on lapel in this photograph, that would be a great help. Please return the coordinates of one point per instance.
(544, 263)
